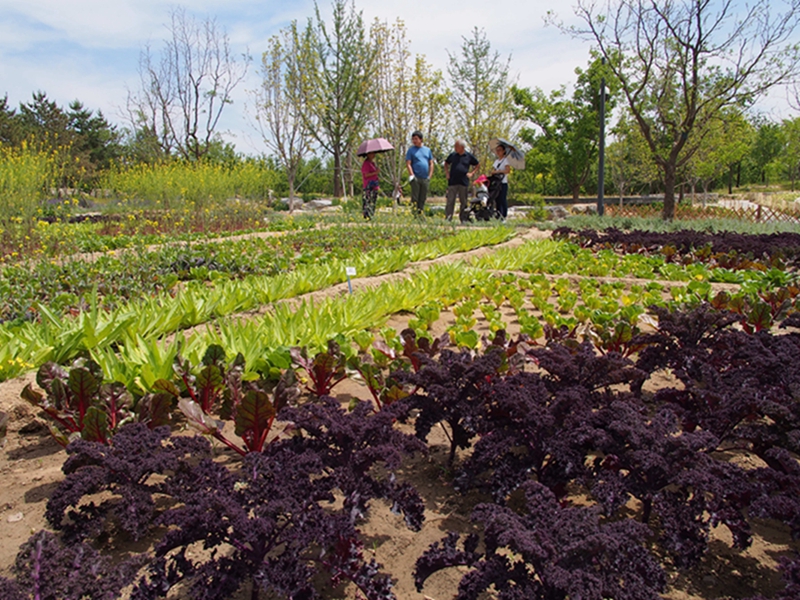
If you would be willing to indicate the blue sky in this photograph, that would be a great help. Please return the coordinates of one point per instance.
(89, 49)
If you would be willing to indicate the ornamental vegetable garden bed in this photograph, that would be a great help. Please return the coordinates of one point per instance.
(594, 415)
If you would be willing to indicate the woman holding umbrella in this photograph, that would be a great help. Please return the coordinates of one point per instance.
(507, 157)
(370, 174)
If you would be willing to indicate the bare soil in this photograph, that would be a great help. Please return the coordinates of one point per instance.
(30, 470)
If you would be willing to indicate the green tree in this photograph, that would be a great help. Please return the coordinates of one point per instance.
(681, 63)
(568, 127)
(334, 71)
(45, 121)
(628, 159)
(97, 142)
(767, 146)
(481, 100)
(726, 142)
(789, 159)
(10, 133)
(83, 139)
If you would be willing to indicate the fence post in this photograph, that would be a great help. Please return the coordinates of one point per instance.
(758, 214)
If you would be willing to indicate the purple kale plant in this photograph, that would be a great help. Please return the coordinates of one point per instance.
(47, 569)
(122, 472)
(674, 476)
(526, 432)
(741, 387)
(270, 525)
(450, 391)
(549, 552)
(350, 444)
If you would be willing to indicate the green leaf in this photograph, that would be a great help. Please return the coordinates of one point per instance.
(215, 355)
(166, 386)
(469, 339)
(155, 409)
(95, 425)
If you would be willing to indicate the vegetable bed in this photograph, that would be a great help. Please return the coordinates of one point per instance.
(504, 432)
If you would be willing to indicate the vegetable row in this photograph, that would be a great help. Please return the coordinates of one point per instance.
(59, 338)
(64, 286)
(593, 487)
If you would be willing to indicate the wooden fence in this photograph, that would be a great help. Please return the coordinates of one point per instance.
(753, 214)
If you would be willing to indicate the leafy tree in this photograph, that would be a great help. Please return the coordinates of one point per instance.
(725, 144)
(789, 158)
(766, 147)
(96, 137)
(184, 93)
(681, 64)
(628, 159)
(333, 72)
(481, 100)
(9, 125)
(84, 140)
(569, 128)
(45, 121)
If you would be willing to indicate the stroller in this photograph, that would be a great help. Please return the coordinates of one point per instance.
(483, 207)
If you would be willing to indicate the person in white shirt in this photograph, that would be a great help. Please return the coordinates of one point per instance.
(501, 166)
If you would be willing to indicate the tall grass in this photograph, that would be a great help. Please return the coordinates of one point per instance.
(199, 185)
(27, 172)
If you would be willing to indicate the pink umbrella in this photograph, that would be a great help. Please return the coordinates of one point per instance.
(376, 145)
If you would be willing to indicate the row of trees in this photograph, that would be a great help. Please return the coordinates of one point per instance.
(681, 77)
(329, 85)
(682, 73)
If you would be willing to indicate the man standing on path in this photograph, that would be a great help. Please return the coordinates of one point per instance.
(459, 168)
(419, 162)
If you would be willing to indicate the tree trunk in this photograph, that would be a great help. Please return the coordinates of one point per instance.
(290, 177)
(349, 174)
(576, 193)
(337, 175)
(669, 192)
(730, 180)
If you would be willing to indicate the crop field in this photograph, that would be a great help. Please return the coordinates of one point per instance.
(399, 409)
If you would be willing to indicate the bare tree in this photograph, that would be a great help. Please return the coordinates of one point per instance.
(184, 93)
(680, 63)
(408, 95)
(278, 107)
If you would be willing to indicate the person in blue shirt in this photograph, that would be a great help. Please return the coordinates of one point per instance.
(419, 162)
